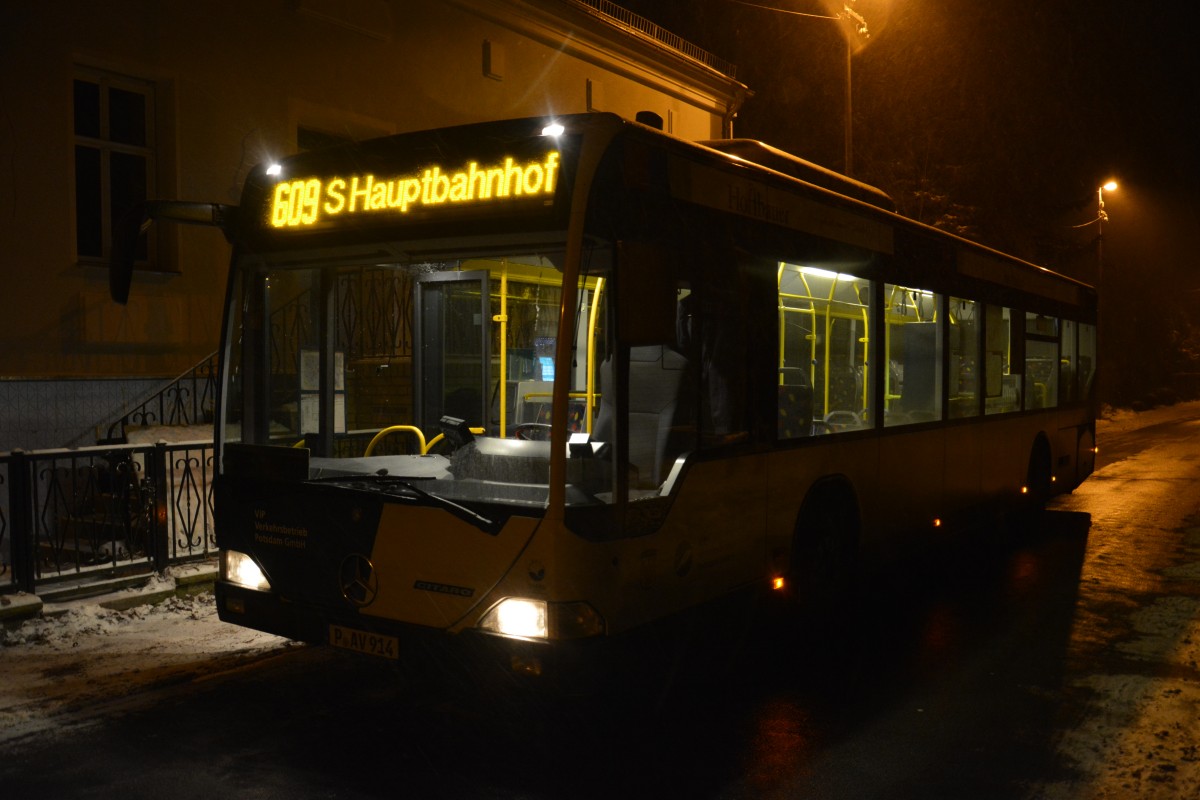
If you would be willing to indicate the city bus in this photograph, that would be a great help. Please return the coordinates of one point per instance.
(526, 388)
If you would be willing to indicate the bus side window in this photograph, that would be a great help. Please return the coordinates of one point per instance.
(1087, 359)
(823, 320)
(712, 334)
(1000, 353)
(965, 329)
(1041, 361)
(1068, 363)
(646, 294)
(912, 388)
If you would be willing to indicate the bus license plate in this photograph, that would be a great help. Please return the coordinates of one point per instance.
(373, 644)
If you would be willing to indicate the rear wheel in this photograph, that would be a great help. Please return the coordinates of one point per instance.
(824, 556)
(1085, 458)
(1024, 519)
(1039, 481)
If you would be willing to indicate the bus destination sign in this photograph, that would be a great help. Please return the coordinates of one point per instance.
(306, 202)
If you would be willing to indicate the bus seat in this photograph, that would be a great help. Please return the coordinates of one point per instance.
(655, 378)
(842, 420)
(795, 411)
(532, 401)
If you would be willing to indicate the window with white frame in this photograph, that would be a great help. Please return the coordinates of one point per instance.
(114, 157)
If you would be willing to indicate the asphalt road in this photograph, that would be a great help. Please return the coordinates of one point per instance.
(1059, 663)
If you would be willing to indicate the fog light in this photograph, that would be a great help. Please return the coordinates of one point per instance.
(530, 665)
(241, 569)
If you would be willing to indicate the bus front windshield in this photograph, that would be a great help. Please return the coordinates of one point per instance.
(425, 369)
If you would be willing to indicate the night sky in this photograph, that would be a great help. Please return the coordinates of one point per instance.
(997, 120)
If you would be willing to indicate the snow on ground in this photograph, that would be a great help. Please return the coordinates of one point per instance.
(1139, 736)
(65, 669)
(1122, 420)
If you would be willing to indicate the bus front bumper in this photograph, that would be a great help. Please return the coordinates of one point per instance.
(575, 663)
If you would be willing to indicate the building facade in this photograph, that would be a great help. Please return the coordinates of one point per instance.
(106, 104)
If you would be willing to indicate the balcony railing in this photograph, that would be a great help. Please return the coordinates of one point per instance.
(624, 18)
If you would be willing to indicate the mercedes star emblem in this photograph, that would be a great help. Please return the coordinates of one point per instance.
(357, 580)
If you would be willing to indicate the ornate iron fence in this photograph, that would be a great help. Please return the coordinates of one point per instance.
(103, 511)
(189, 399)
(6, 571)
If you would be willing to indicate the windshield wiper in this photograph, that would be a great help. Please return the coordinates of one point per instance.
(385, 481)
(460, 511)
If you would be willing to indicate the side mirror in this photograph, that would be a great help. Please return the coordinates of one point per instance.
(136, 222)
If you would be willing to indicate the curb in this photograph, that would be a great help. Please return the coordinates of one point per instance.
(16, 608)
(116, 594)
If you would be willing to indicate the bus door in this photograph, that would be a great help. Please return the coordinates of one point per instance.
(451, 334)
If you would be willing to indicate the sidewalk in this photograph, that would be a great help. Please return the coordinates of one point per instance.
(116, 594)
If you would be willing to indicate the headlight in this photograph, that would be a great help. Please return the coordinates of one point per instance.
(517, 616)
(241, 569)
(537, 619)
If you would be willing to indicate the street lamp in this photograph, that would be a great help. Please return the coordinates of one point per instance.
(1101, 218)
(1102, 215)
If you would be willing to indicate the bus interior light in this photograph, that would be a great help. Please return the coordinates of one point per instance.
(820, 273)
(241, 569)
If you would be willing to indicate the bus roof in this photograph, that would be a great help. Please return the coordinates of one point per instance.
(781, 161)
(414, 154)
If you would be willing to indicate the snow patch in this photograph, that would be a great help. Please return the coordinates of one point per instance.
(59, 671)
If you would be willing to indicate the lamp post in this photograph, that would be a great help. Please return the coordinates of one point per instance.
(858, 26)
(1101, 218)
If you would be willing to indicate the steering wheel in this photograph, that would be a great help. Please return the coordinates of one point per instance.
(531, 431)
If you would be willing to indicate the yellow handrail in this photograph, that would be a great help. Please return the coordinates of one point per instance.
(590, 386)
(502, 318)
(394, 428)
